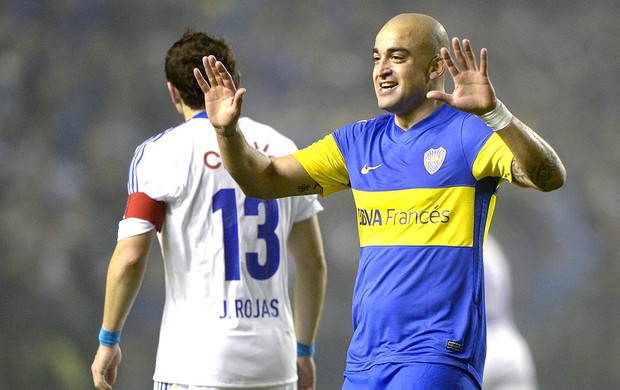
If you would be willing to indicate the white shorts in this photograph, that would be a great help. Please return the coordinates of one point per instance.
(171, 386)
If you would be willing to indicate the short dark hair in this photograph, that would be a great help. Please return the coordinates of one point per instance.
(186, 54)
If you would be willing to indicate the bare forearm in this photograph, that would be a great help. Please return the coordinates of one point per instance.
(123, 282)
(121, 291)
(309, 298)
(536, 164)
(305, 244)
(260, 176)
(245, 164)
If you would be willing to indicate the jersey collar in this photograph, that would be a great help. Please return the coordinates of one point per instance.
(201, 114)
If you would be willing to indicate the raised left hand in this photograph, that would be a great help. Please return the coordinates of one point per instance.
(473, 91)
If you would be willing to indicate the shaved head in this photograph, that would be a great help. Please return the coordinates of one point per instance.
(427, 34)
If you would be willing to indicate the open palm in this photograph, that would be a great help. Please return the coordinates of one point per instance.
(222, 99)
(473, 91)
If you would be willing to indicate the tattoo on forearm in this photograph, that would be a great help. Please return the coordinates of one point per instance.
(518, 173)
(539, 175)
(303, 188)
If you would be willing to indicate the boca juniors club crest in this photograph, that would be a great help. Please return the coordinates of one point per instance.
(433, 159)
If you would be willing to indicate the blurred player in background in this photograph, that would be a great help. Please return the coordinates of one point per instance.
(424, 178)
(509, 363)
(227, 320)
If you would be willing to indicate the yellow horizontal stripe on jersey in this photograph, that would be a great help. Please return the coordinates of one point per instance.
(424, 216)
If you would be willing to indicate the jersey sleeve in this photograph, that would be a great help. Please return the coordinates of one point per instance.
(155, 177)
(129, 227)
(494, 159)
(158, 169)
(324, 162)
(306, 207)
(142, 215)
(486, 151)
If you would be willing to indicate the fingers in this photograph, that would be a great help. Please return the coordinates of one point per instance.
(206, 63)
(470, 58)
(217, 75)
(218, 72)
(104, 367)
(223, 76)
(99, 380)
(204, 85)
(465, 58)
(464, 54)
(201, 80)
(112, 375)
(484, 62)
(458, 53)
(445, 54)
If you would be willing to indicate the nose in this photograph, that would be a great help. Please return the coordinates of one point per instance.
(382, 68)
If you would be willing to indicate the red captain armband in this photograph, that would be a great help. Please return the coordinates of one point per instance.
(142, 206)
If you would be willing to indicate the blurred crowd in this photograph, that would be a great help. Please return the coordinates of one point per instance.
(82, 84)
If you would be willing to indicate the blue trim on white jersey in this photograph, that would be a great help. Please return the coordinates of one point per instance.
(161, 386)
(132, 183)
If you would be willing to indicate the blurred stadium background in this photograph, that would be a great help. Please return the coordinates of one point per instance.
(82, 84)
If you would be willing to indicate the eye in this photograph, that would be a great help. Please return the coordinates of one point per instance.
(375, 58)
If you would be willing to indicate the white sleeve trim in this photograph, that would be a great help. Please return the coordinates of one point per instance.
(308, 206)
(130, 227)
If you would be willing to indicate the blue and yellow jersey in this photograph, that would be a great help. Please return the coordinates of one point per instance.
(424, 199)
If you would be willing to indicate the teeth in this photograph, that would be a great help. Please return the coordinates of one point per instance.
(386, 85)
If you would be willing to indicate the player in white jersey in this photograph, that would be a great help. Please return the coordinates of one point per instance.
(509, 362)
(227, 320)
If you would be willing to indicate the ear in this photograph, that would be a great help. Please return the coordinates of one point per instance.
(436, 68)
(174, 94)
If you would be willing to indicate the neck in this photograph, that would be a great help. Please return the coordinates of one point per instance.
(189, 113)
(406, 121)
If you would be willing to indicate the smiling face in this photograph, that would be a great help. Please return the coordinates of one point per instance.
(405, 63)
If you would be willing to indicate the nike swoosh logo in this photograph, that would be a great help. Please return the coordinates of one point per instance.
(366, 168)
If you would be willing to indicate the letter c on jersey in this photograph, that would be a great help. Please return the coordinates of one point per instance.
(212, 160)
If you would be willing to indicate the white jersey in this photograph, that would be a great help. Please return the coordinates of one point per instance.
(509, 363)
(227, 317)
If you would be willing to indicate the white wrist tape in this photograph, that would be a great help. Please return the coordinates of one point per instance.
(498, 118)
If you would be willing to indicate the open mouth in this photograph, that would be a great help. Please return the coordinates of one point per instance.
(387, 85)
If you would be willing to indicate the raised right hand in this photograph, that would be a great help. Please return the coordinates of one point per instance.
(222, 99)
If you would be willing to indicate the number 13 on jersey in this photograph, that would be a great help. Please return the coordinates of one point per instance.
(225, 201)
